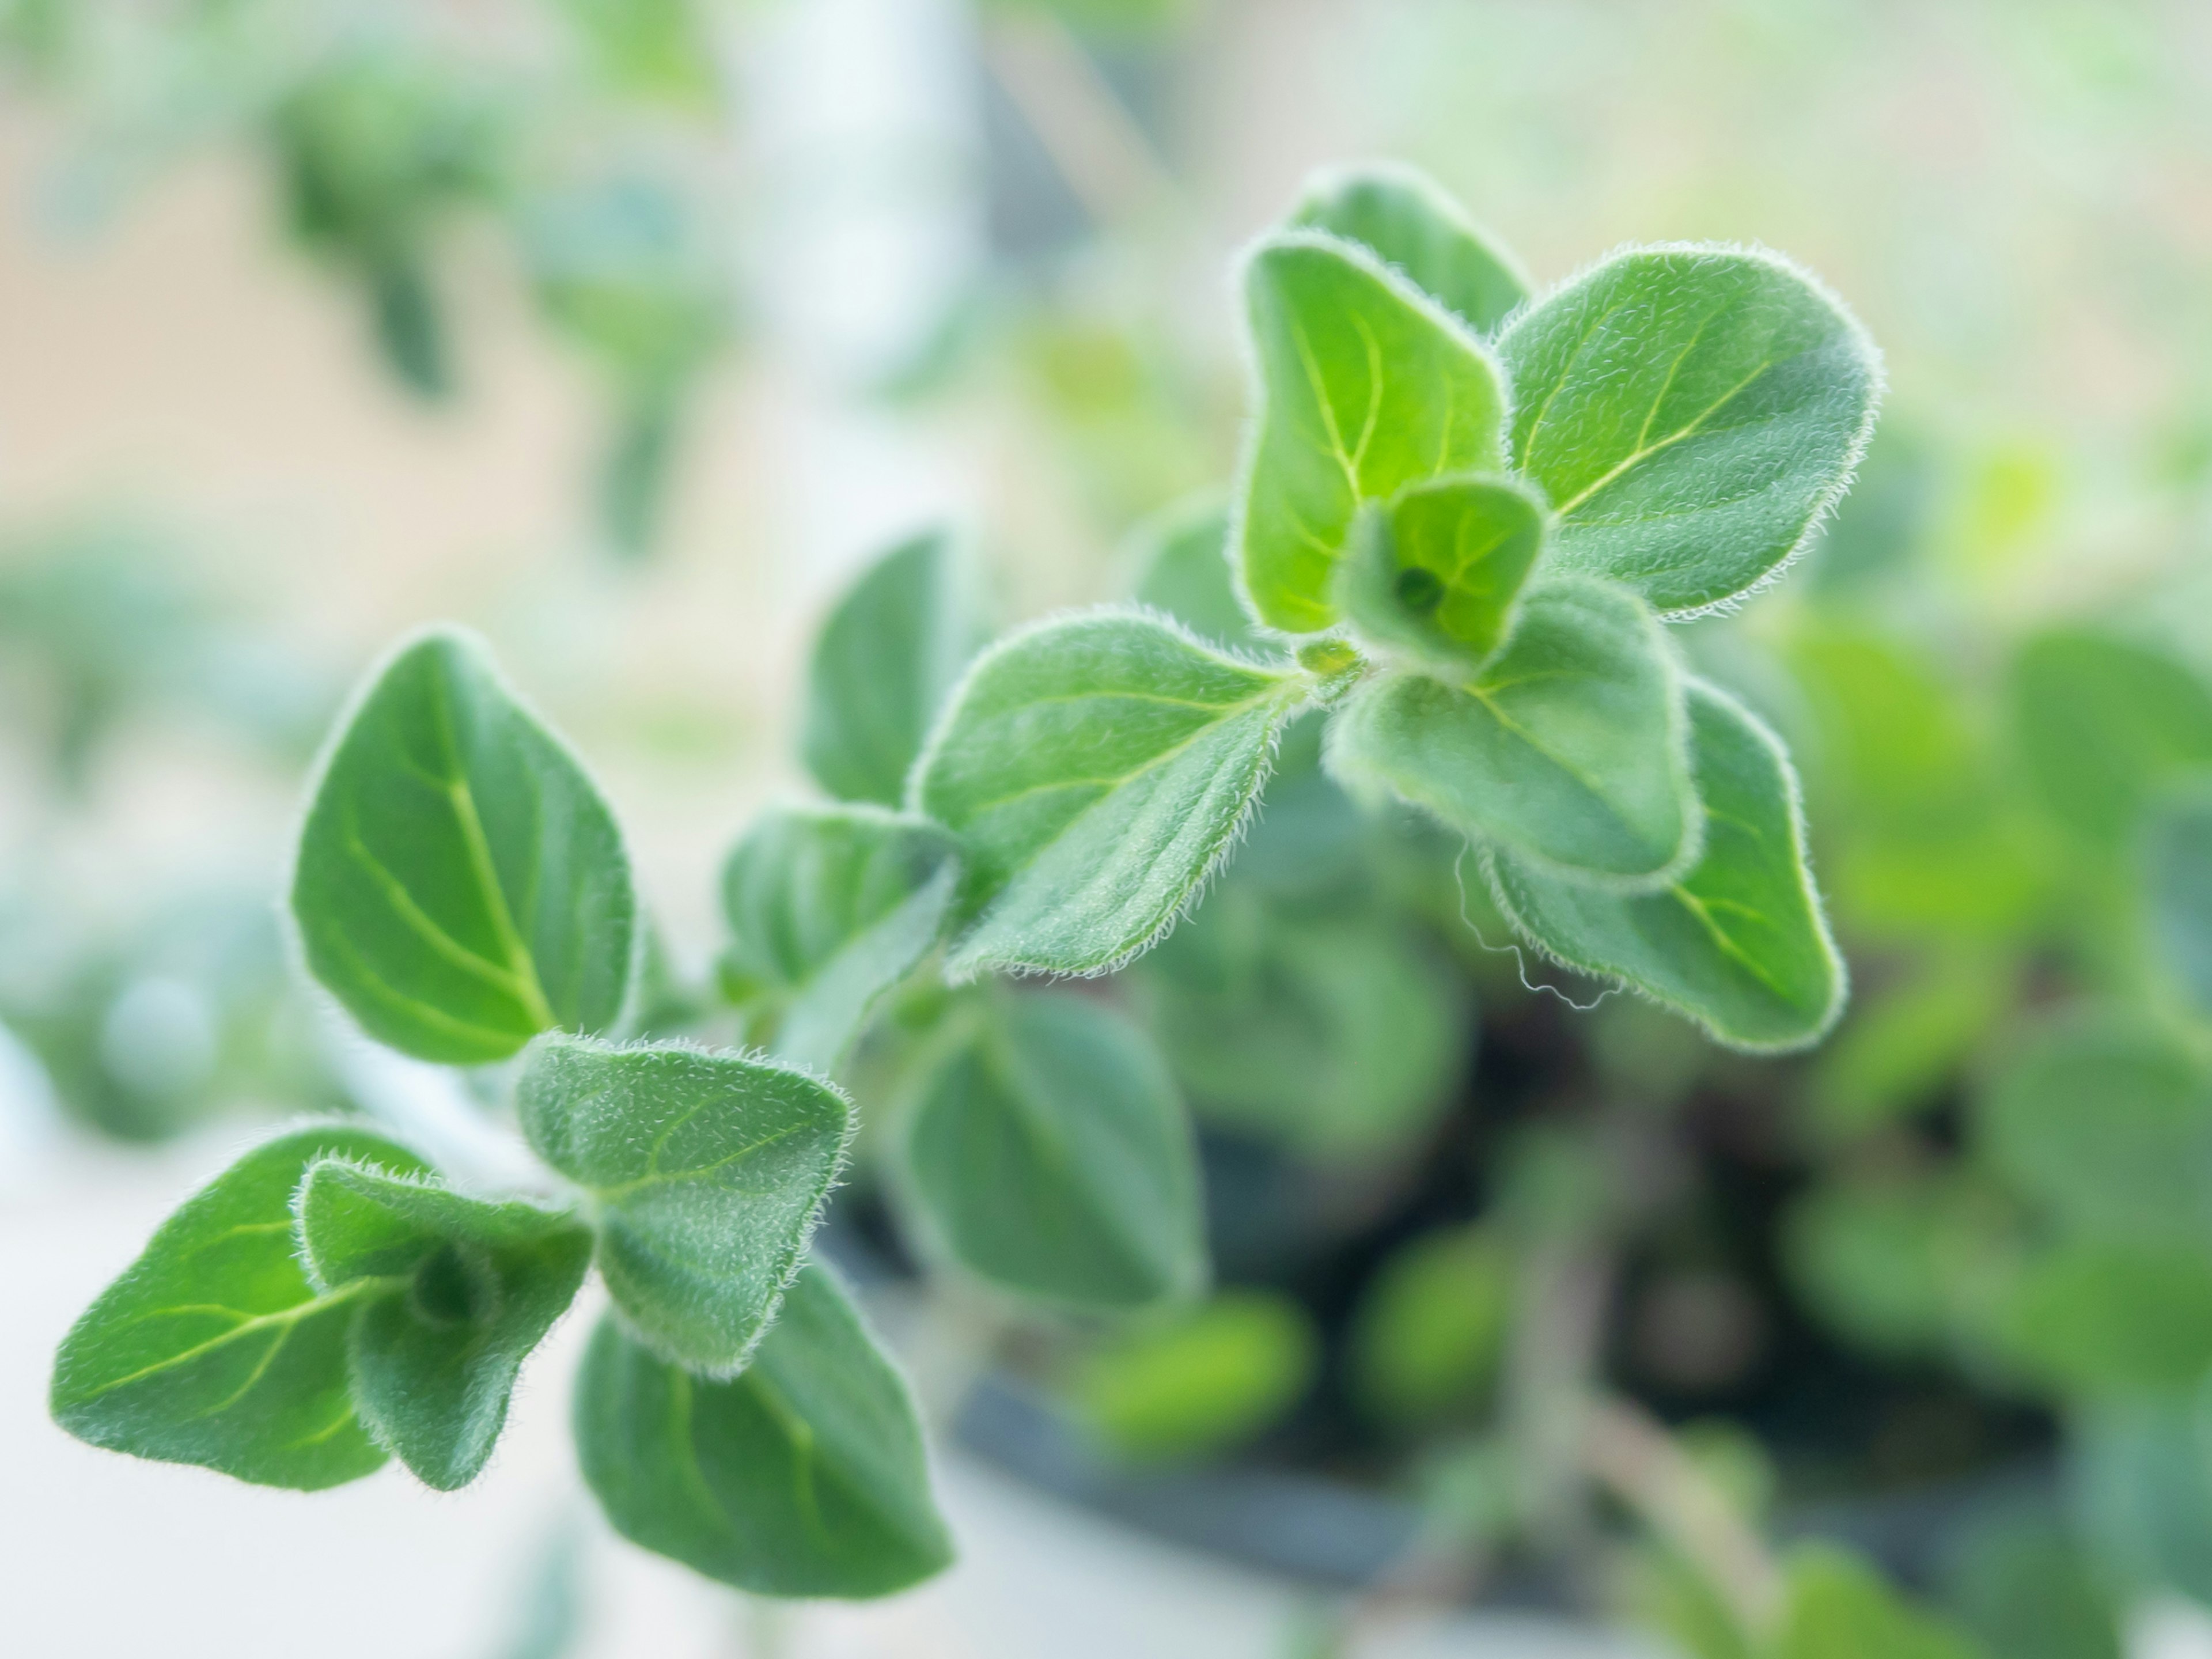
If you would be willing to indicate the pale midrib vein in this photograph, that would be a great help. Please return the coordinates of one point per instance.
(1646, 452)
(667, 1178)
(1515, 729)
(393, 996)
(1544, 412)
(282, 1320)
(1320, 395)
(1726, 945)
(800, 1433)
(463, 800)
(422, 923)
(1374, 417)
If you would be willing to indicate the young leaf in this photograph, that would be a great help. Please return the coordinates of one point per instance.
(1434, 574)
(1365, 386)
(1217, 1375)
(890, 652)
(214, 1349)
(705, 1173)
(802, 1475)
(1430, 1326)
(460, 1291)
(2177, 890)
(2103, 725)
(1568, 750)
(1691, 411)
(1408, 222)
(461, 886)
(829, 910)
(1739, 944)
(1839, 1608)
(1187, 575)
(1095, 768)
(1050, 1155)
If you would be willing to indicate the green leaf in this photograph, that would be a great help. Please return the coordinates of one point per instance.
(2102, 724)
(802, 1475)
(460, 885)
(2107, 1125)
(1188, 575)
(1840, 1609)
(2142, 1480)
(1096, 770)
(1570, 749)
(1430, 1327)
(889, 653)
(1739, 944)
(2026, 1587)
(214, 1349)
(1336, 1036)
(1433, 575)
(1365, 386)
(705, 1172)
(2177, 895)
(1402, 217)
(1868, 1257)
(829, 910)
(1210, 1379)
(1048, 1153)
(1691, 411)
(459, 1290)
(2098, 1318)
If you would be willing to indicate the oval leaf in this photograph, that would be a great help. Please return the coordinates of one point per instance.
(1570, 748)
(1365, 386)
(802, 1475)
(1096, 769)
(1408, 221)
(460, 885)
(460, 1291)
(886, 658)
(1050, 1155)
(213, 1347)
(1691, 411)
(1740, 943)
(829, 910)
(706, 1173)
(1434, 574)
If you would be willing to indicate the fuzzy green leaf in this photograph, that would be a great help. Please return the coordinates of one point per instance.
(1096, 769)
(1569, 748)
(829, 910)
(1433, 575)
(1407, 220)
(2103, 725)
(213, 1347)
(1366, 385)
(1691, 411)
(1049, 1154)
(705, 1173)
(1187, 575)
(2177, 893)
(1740, 943)
(889, 653)
(802, 1475)
(460, 1291)
(460, 885)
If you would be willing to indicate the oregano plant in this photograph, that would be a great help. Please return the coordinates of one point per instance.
(1464, 520)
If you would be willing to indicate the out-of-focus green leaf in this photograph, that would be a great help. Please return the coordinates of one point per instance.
(2103, 724)
(1899, 1051)
(2101, 1318)
(2023, 1586)
(2142, 1482)
(1407, 220)
(2177, 895)
(1430, 1326)
(1840, 1609)
(1213, 1378)
(1186, 573)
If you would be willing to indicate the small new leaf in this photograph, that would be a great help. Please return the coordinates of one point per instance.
(1433, 575)
(1409, 222)
(1365, 386)
(829, 910)
(705, 1173)
(1691, 411)
(1050, 1155)
(1740, 943)
(802, 1475)
(459, 1290)
(1568, 750)
(213, 1347)
(1096, 770)
(887, 657)
(460, 885)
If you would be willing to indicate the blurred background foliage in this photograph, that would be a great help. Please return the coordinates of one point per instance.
(1941, 1290)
